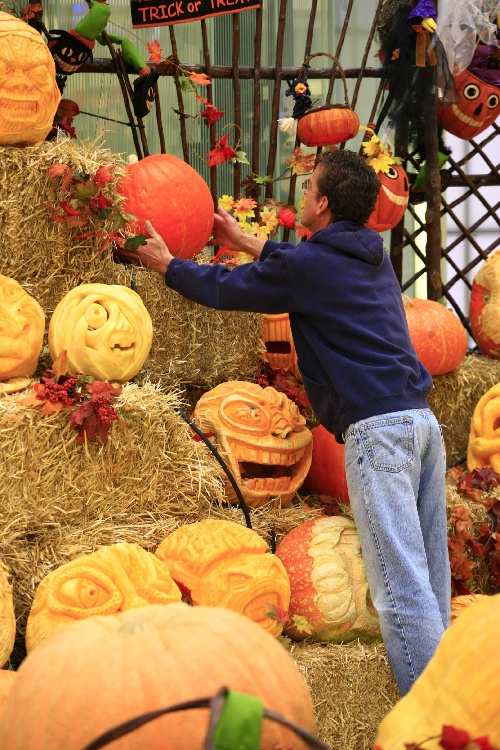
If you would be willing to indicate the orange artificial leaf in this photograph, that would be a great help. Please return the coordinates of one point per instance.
(103, 175)
(200, 78)
(103, 390)
(57, 170)
(67, 179)
(31, 399)
(51, 407)
(60, 365)
(155, 52)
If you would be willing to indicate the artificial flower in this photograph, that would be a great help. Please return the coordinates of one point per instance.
(221, 152)
(244, 208)
(200, 78)
(155, 52)
(226, 202)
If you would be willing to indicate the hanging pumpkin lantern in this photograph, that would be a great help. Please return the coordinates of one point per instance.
(484, 436)
(7, 616)
(328, 586)
(29, 94)
(223, 564)
(176, 199)
(22, 325)
(278, 340)
(477, 106)
(437, 334)
(329, 124)
(326, 475)
(103, 671)
(105, 329)
(451, 690)
(394, 190)
(484, 306)
(262, 437)
(113, 579)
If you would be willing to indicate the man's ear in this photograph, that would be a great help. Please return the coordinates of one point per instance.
(322, 205)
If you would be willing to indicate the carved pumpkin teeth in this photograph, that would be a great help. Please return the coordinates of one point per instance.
(465, 118)
(399, 200)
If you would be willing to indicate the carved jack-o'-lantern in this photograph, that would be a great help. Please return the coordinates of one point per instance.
(484, 436)
(22, 324)
(328, 582)
(262, 436)
(392, 199)
(113, 579)
(477, 106)
(278, 340)
(7, 616)
(484, 306)
(29, 95)
(223, 564)
(105, 329)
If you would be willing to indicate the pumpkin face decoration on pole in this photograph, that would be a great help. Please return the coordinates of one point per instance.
(394, 190)
(105, 329)
(262, 437)
(114, 579)
(29, 95)
(223, 564)
(328, 583)
(22, 325)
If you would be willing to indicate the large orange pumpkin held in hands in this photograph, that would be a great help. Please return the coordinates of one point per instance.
(168, 192)
(438, 336)
(484, 309)
(106, 670)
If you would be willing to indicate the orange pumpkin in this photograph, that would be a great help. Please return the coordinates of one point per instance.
(326, 126)
(476, 108)
(328, 586)
(392, 199)
(326, 475)
(7, 679)
(438, 336)
(174, 197)
(278, 340)
(90, 677)
(484, 307)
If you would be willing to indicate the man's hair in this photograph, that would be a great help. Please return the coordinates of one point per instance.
(349, 183)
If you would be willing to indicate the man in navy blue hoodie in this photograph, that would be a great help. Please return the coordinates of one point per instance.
(363, 380)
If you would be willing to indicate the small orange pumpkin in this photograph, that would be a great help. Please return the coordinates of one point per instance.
(176, 199)
(392, 199)
(476, 108)
(484, 306)
(438, 336)
(326, 474)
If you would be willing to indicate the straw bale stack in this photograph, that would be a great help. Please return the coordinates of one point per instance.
(454, 398)
(192, 344)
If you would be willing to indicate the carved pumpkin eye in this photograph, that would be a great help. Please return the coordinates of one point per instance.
(392, 174)
(40, 74)
(492, 101)
(243, 415)
(471, 91)
(96, 316)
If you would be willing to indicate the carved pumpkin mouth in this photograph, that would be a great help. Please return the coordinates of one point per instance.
(399, 200)
(12, 110)
(465, 118)
(271, 472)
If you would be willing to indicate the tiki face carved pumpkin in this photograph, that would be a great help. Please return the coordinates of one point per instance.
(29, 95)
(392, 199)
(22, 324)
(113, 579)
(263, 437)
(105, 329)
(476, 108)
(278, 340)
(484, 436)
(225, 564)
(328, 582)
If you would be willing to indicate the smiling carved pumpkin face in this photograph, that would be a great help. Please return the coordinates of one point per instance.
(392, 199)
(22, 324)
(262, 436)
(29, 95)
(105, 329)
(476, 108)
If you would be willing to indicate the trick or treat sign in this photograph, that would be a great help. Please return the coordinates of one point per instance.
(166, 12)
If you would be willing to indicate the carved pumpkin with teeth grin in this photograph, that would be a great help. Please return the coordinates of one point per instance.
(105, 330)
(476, 108)
(262, 437)
(392, 199)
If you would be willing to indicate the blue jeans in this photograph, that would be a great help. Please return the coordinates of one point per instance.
(395, 467)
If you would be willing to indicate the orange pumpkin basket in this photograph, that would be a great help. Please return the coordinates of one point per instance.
(329, 124)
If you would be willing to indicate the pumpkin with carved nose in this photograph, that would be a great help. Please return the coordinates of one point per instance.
(477, 106)
(29, 95)
(219, 563)
(262, 437)
(22, 325)
(105, 330)
(113, 579)
(392, 200)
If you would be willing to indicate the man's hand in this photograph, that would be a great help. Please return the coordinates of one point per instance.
(227, 231)
(154, 254)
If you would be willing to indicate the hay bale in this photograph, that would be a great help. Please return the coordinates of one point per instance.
(352, 689)
(192, 344)
(454, 398)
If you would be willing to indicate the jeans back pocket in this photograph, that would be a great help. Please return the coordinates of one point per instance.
(388, 442)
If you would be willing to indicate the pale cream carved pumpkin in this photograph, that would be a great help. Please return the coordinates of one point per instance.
(105, 329)
(7, 616)
(224, 564)
(262, 437)
(278, 340)
(113, 579)
(484, 437)
(22, 324)
(29, 95)
(328, 585)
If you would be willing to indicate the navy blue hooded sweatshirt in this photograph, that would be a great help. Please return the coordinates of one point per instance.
(346, 315)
